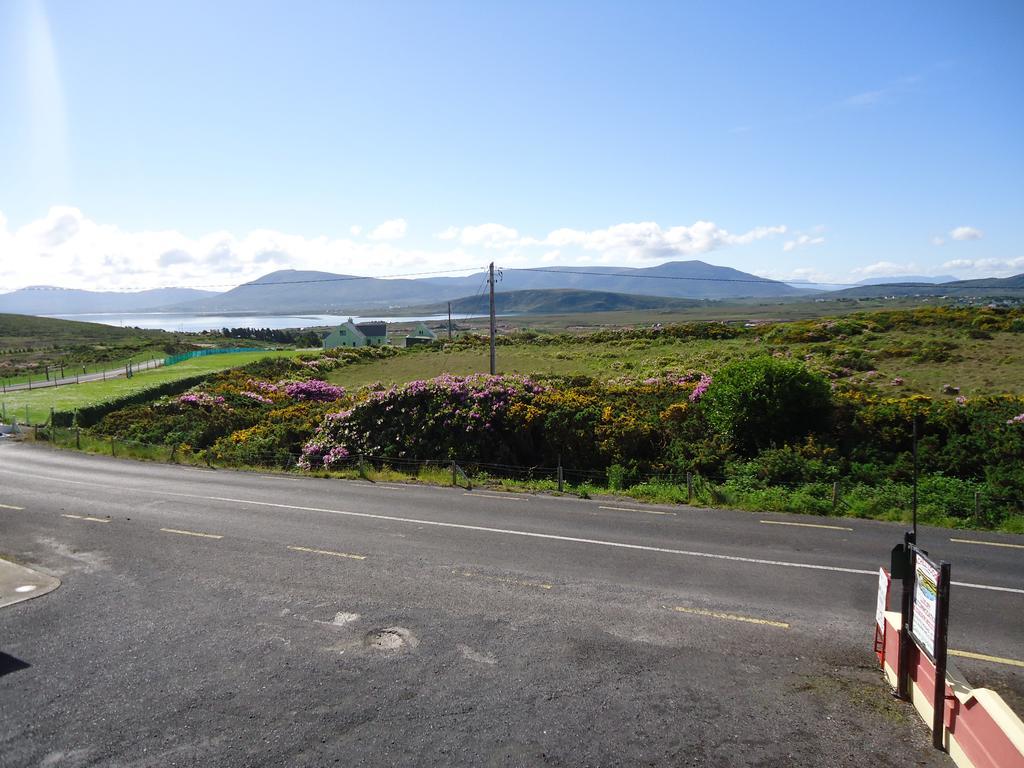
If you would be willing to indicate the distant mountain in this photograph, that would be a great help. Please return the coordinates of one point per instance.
(291, 290)
(299, 291)
(989, 287)
(47, 300)
(555, 301)
(676, 279)
(907, 279)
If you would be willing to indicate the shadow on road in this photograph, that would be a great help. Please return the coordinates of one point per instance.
(10, 664)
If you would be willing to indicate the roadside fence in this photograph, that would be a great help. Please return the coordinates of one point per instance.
(63, 375)
(180, 358)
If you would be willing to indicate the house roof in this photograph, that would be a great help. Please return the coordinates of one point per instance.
(373, 328)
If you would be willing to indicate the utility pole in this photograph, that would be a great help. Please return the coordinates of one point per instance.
(490, 280)
(449, 321)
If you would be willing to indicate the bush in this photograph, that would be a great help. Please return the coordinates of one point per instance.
(765, 401)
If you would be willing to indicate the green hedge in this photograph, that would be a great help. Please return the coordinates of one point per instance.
(91, 414)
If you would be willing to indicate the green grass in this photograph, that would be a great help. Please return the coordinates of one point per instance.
(73, 396)
(979, 367)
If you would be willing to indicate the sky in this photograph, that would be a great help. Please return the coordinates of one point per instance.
(192, 143)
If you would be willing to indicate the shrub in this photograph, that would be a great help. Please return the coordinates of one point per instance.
(766, 401)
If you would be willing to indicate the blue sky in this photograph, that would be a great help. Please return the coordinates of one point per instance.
(195, 143)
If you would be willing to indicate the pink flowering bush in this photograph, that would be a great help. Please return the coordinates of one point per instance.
(1018, 419)
(434, 418)
(200, 399)
(313, 389)
(700, 389)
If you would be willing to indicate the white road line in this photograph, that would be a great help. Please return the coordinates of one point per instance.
(9, 506)
(634, 509)
(965, 541)
(327, 552)
(87, 517)
(495, 496)
(192, 533)
(807, 525)
(529, 534)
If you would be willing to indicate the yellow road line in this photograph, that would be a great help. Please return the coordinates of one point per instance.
(192, 533)
(472, 575)
(87, 517)
(495, 496)
(732, 617)
(634, 509)
(9, 506)
(327, 552)
(983, 657)
(807, 525)
(988, 543)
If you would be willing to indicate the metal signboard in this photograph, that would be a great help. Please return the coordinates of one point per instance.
(926, 599)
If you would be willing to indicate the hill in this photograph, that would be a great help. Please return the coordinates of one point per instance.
(674, 279)
(555, 301)
(984, 288)
(308, 291)
(48, 300)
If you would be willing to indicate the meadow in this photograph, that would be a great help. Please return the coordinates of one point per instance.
(35, 405)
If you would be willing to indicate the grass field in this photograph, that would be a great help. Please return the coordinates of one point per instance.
(976, 366)
(67, 398)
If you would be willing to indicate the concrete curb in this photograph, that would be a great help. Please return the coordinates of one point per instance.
(18, 583)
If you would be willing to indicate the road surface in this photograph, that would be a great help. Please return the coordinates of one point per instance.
(228, 618)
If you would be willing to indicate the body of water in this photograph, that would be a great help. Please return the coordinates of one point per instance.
(194, 323)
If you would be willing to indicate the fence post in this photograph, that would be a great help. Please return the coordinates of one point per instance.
(561, 484)
(453, 473)
(835, 496)
(113, 451)
(174, 448)
(78, 438)
(689, 487)
(977, 505)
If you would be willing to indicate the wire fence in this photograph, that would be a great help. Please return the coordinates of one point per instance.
(63, 375)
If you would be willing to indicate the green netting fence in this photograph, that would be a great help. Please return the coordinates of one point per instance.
(171, 360)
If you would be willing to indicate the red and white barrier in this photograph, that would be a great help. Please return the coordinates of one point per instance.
(980, 730)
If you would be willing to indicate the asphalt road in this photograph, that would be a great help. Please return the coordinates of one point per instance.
(226, 618)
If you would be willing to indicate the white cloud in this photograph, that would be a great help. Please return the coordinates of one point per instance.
(356, 230)
(885, 269)
(802, 240)
(485, 235)
(67, 249)
(392, 229)
(648, 240)
(938, 240)
(986, 267)
(966, 233)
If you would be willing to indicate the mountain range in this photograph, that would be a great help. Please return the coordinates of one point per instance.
(548, 289)
(47, 300)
